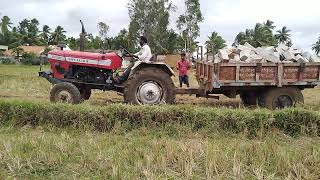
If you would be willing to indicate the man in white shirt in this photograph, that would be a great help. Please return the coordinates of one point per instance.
(143, 55)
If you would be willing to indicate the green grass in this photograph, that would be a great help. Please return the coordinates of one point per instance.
(105, 139)
(172, 120)
(64, 154)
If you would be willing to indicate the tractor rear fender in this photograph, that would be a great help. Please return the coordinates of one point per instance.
(163, 66)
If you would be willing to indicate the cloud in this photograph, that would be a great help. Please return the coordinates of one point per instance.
(227, 17)
(67, 13)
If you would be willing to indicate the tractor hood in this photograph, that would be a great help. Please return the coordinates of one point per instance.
(106, 61)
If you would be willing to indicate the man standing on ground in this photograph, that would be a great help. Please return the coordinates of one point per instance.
(183, 66)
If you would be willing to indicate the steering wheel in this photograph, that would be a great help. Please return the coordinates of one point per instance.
(127, 53)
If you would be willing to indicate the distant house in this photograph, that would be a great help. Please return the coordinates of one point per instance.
(3, 48)
(27, 49)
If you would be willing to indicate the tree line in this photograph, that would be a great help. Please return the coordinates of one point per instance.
(150, 18)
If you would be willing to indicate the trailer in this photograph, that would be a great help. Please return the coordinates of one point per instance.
(269, 85)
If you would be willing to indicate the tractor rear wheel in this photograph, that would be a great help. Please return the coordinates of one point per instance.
(280, 98)
(149, 86)
(65, 93)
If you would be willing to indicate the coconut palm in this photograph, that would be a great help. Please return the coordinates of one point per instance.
(215, 42)
(45, 34)
(58, 35)
(5, 24)
(283, 35)
(244, 37)
(5, 34)
(261, 35)
(269, 25)
(316, 47)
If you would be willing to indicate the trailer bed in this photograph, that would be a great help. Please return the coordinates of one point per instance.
(221, 75)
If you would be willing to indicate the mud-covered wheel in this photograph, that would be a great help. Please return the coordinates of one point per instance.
(149, 86)
(280, 98)
(65, 93)
(85, 93)
(249, 99)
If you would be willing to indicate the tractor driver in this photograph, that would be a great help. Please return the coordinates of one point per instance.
(143, 55)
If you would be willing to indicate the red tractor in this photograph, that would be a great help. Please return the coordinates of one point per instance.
(75, 73)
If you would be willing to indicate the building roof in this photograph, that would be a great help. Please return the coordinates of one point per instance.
(29, 49)
(2, 47)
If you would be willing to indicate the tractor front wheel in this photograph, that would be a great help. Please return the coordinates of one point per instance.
(65, 93)
(149, 86)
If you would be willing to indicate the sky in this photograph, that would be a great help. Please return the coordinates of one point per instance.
(227, 17)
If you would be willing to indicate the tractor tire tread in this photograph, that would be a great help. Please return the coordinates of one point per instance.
(154, 73)
(72, 89)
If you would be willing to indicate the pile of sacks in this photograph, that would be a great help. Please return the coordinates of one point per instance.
(248, 54)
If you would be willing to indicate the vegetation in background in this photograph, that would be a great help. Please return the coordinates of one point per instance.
(214, 43)
(188, 24)
(45, 35)
(8, 34)
(260, 35)
(30, 59)
(17, 51)
(316, 47)
(7, 61)
(58, 35)
(152, 23)
(283, 36)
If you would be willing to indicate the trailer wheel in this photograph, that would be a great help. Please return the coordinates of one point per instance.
(280, 98)
(149, 86)
(249, 99)
(66, 93)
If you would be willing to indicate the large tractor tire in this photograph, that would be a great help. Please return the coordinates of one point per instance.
(280, 98)
(249, 99)
(65, 93)
(149, 86)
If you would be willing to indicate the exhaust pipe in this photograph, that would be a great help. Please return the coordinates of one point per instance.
(83, 35)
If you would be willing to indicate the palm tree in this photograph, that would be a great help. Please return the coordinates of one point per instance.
(5, 24)
(244, 37)
(316, 47)
(261, 35)
(214, 43)
(283, 35)
(269, 25)
(58, 35)
(5, 35)
(45, 34)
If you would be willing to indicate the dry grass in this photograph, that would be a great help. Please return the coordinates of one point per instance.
(59, 154)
